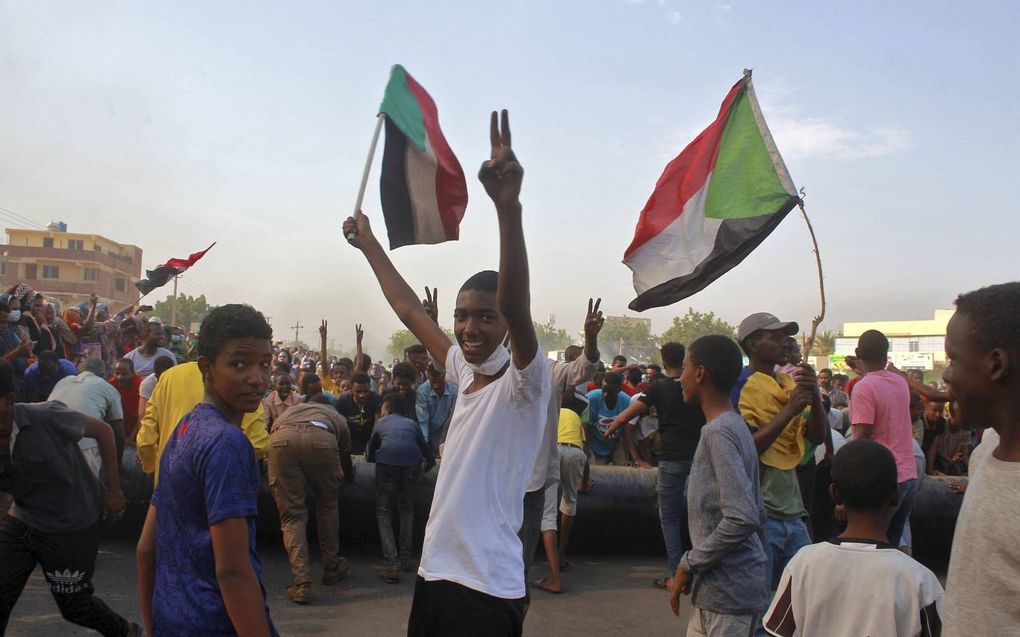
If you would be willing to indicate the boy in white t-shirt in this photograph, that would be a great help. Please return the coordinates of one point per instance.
(471, 579)
(857, 584)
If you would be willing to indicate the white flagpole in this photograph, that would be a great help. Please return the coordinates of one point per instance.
(368, 165)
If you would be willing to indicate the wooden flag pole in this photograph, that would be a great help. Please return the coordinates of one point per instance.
(809, 344)
(368, 167)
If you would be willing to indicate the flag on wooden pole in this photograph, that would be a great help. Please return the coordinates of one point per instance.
(713, 205)
(162, 273)
(423, 190)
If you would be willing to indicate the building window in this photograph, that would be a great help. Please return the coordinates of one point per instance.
(97, 247)
(47, 242)
(51, 272)
(913, 345)
(75, 244)
(30, 271)
(91, 274)
(118, 284)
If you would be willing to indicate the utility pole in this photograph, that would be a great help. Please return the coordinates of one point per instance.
(173, 304)
(297, 331)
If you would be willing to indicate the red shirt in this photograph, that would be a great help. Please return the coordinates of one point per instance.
(629, 389)
(129, 403)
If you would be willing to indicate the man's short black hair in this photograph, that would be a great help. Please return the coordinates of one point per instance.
(281, 367)
(346, 362)
(434, 371)
(673, 355)
(864, 474)
(613, 378)
(572, 350)
(360, 378)
(634, 375)
(992, 311)
(228, 322)
(873, 347)
(49, 356)
(366, 362)
(162, 364)
(394, 402)
(405, 371)
(619, 358)
(416, 349)
(654, 367)
(825, 370)
(720, 356)
(6, 378)
(307, 379)
(127, 361)
(484, 281)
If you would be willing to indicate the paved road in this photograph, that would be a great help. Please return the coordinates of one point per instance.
(604, 596)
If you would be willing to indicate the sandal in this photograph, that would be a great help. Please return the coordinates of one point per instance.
(663, 582)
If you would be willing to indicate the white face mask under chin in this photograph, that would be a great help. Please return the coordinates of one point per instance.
(495, 362)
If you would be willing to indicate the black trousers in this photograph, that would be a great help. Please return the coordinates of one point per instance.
(68, 561)
(445, 609)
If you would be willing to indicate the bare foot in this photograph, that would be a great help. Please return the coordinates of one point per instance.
(550, 585)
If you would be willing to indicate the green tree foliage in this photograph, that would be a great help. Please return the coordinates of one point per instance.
(551, 338)
(629, 336)
(825, 343)
(402, 339)
(190, 309)
(688, 328)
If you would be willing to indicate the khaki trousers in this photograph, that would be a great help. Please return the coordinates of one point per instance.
(301, 456)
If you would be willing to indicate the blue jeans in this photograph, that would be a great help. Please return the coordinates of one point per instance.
(908, 489)
(783, 538)
(673, 507)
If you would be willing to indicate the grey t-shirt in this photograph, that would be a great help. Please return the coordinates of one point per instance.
(727, 518)
(53, 489)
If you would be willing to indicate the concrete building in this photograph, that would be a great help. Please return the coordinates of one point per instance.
(917, 344)
(70, 266)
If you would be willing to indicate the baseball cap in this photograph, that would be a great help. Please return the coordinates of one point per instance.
(765, 321)
(156, 320)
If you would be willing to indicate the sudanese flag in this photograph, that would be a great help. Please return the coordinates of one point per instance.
(159, 276)
(713, 205)
(423, 191)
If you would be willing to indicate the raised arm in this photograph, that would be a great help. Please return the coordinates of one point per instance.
(593, 322)
(359, 336)
(323, 354)
(502, 175)
(398, 293)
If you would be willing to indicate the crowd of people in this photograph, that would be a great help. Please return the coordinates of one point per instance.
(784, 495)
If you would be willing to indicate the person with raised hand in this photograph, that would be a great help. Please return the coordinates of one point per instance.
(471, 578)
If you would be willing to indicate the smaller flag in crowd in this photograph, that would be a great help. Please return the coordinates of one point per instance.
(423, 190)
(714, 204)
(159, 276)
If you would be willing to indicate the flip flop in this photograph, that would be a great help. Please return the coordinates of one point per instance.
(662, 582)
(542, 585)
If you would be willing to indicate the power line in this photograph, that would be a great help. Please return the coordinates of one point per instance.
(20, 218)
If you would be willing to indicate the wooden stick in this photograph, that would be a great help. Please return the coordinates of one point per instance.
(368, 167)
(809, 344)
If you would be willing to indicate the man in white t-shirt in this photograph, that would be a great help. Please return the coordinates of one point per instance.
(471, 578)
(144, 356)
(146, 387)
(983, 374)
(858, 583)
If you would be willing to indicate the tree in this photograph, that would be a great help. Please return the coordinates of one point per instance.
(630, 336)
(825, 343)
(691, 326)
(190, 309)
(550, 338)
(402, 339)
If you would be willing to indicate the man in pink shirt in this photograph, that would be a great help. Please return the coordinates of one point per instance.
(880, 410)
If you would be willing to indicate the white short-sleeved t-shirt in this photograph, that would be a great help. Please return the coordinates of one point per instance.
(145, 365)
(146, 386)
(854, 588)
(491, 447)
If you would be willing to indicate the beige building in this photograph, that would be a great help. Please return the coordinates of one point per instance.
(919, 344)
(71, 266)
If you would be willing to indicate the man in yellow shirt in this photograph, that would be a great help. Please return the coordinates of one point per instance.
(573, 473)
(179, 389)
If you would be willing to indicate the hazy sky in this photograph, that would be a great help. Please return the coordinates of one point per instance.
(174, 124)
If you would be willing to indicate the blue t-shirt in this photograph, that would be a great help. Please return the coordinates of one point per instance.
(207, 474)
(600, 416)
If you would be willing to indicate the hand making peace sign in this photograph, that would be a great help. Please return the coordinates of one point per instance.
(502, 173)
